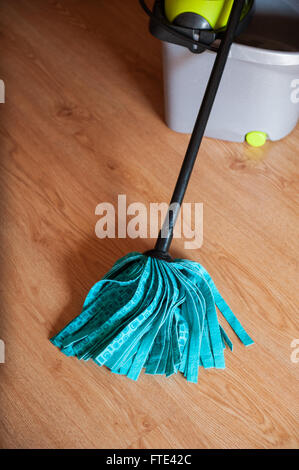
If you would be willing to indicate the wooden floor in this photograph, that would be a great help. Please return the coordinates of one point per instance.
(82, 123)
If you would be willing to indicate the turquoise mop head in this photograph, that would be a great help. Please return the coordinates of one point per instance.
(152, 314)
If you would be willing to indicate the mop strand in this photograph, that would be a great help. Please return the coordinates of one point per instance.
(152, 314)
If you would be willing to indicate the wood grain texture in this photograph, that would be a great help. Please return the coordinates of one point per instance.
(82, 123)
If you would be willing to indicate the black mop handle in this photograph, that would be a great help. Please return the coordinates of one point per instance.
(163, 242)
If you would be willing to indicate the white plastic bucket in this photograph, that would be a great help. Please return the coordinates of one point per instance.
(259, 90)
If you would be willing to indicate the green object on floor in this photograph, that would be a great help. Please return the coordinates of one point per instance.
(256, 138)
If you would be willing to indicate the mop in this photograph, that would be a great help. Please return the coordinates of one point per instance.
(153, 312)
